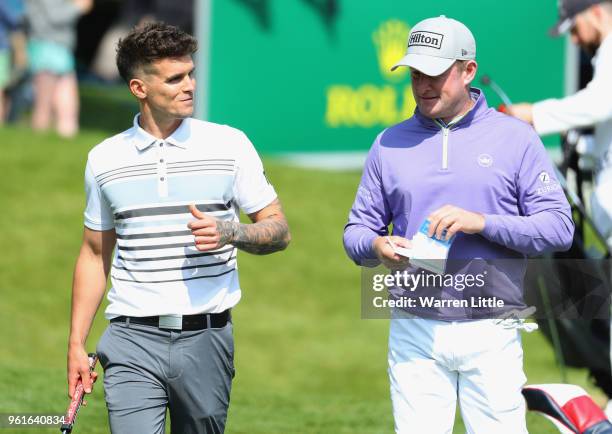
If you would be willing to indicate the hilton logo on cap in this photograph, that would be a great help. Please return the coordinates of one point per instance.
(426, 39)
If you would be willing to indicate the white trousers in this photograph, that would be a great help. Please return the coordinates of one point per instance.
(433, 363)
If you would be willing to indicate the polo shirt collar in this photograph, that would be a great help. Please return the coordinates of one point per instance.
(179, 138)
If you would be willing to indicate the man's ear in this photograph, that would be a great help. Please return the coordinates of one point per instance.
(138, 88)
(470, 71)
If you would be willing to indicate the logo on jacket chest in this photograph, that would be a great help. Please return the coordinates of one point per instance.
(485, 160)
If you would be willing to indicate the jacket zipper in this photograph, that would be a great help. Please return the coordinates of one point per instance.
(445, 132)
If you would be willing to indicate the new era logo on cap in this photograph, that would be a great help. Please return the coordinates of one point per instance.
(426, 39)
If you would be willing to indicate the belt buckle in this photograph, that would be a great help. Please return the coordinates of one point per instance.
(173, 322)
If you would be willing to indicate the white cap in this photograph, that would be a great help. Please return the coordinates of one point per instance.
(435, 43)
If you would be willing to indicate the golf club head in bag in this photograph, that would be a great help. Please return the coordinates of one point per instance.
(568, 407)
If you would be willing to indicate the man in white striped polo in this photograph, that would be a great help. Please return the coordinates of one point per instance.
(167, 194)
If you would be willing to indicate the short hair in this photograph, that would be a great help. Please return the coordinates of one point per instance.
(154, 41)
(462, 63)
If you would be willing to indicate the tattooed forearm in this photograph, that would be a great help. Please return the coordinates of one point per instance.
(269, 233)
(227, 231)
(266, 236)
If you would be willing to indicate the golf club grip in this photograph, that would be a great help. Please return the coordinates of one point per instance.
(77, 398)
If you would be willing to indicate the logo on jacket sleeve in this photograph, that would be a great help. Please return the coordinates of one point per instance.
(548, 184)
(544, 177)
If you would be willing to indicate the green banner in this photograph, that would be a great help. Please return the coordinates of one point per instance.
(313, 75)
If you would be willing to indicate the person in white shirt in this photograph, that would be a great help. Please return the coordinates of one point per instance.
(161, 218)
(590, 25)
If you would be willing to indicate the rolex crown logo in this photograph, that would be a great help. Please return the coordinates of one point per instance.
(390, 42)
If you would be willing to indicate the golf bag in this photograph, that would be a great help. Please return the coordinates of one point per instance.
(581, 338)
(568, 407)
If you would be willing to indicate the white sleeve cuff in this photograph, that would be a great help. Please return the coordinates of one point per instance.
(262, 202)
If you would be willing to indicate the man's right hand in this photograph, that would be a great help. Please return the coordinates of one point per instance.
(386, 255)
(78, 367)
(88, 287)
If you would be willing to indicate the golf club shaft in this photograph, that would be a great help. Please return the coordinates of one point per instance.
(487, 81)
(499, 91)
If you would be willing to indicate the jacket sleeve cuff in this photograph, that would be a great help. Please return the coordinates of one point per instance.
(368, 244)
(491, 226)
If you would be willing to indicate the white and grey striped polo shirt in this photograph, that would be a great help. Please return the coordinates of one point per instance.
(141, 186)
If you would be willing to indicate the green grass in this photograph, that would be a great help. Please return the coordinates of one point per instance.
(306, 362)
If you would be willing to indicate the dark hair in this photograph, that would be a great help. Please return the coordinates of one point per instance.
(154, 41)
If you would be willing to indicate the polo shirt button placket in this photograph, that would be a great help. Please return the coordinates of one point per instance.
(162, 176)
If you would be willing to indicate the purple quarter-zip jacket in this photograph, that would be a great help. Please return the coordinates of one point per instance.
(486, 162)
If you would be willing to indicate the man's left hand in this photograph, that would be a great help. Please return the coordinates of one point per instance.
(523, 111)
(210, 233)
(454, 219)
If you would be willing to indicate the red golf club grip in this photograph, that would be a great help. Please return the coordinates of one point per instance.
(77, 398)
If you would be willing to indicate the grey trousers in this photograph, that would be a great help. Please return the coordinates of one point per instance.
(147, 370)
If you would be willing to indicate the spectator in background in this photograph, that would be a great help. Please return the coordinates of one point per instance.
(19, 94)
(50, 49)
(10, 18)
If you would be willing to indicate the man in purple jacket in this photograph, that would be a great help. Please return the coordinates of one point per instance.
(484, 178)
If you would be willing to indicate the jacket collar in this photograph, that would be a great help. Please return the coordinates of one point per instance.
(479, 108)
